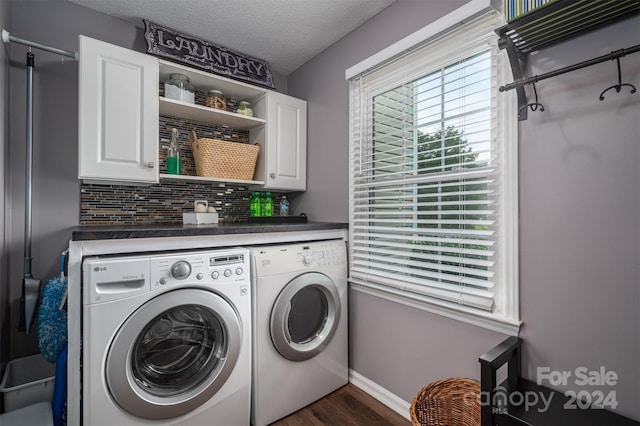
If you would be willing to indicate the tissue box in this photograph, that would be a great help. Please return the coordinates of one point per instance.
(199, 218)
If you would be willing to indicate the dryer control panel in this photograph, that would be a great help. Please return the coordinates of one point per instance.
(219, 267)
(303, 256)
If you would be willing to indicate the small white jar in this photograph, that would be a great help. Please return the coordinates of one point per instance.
(179, 88)
(244, 108)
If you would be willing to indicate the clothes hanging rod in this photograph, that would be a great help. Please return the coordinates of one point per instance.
(609, 57)
(7, 37)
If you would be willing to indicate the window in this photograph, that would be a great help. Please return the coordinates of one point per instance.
(433, 179)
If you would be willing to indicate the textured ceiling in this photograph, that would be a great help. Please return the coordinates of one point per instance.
(286, 33)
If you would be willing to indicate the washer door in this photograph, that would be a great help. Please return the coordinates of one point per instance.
(173, 353)
(305, 316)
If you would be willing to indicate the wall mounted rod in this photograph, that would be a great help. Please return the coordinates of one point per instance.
(6, 37)
(609, 57)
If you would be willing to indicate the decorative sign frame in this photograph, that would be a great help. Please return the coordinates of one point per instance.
(170, 44)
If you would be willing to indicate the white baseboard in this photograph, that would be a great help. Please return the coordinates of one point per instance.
(392, 401)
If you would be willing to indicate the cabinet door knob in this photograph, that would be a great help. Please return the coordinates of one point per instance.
(272, 175)
(150, 165)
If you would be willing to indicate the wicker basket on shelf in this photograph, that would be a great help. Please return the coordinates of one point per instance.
(222, 159)
(451, 402)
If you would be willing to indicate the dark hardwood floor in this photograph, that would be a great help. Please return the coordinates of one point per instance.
(348, 406)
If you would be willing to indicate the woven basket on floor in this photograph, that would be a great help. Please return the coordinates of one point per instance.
(221, 159)
(450, 402)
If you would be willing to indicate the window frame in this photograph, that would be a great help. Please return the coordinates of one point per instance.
(506, 318)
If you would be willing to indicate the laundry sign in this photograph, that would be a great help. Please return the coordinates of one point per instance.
(170, 44)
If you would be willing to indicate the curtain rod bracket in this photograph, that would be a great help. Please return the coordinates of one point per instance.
(617, 54)
(7, 38)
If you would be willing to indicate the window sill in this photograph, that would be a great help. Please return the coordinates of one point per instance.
(479, 319)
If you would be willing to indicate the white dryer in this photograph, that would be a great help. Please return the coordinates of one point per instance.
(167, 339)
(300, 334)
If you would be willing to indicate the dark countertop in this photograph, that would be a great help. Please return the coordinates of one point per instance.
(110, 232)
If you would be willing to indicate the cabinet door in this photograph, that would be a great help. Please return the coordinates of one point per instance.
(118, 114)
(286, 145)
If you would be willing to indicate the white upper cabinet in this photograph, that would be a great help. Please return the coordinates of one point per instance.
(119, 120)
(286, 145)
(118, 114)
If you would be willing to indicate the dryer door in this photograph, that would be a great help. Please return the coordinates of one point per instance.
(173, 353)
(305, 316)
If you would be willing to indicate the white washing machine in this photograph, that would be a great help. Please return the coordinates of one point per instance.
(167, 339)
(300, 334)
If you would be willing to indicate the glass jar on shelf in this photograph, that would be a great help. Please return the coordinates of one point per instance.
(244, 108)
(179, 88)
(215, 99)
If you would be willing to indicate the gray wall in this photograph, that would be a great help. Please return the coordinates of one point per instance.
(579, 210)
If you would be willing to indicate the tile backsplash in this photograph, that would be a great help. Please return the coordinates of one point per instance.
(162, 203)
(165, 202)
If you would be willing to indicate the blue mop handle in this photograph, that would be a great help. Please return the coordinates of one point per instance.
(63, 259)
(63, 278)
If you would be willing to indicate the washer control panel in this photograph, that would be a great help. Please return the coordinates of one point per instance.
(207, 268)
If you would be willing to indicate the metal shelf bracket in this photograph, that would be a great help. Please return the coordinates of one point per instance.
(518, 63)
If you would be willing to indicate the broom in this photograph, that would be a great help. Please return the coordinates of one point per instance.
(30, 285)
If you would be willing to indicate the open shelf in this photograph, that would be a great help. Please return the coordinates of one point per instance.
(208, 115)
(205, 81)
(208, 179)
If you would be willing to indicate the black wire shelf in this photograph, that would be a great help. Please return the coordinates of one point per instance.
(562, 19)
(553, 23)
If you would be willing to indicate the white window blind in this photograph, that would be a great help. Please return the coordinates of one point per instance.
(426, 172)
